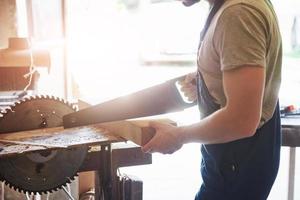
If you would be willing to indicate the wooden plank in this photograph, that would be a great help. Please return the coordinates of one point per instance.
(137, 131)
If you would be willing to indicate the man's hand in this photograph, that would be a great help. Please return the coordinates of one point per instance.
(166, 139)
(188, 87)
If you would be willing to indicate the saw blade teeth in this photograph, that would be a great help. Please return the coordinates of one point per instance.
(19, 190)
(13, 187)
(27, 98)
(13, 105)
(9, 185)
(61, 100)
(44, 192)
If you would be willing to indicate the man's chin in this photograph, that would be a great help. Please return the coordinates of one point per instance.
(189, 2)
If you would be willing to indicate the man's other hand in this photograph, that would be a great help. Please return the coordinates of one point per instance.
(188, 87)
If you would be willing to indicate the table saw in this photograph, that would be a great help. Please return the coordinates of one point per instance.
(37, 155)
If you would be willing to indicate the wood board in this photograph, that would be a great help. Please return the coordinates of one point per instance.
(137, 131)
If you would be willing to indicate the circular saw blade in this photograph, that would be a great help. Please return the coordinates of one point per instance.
(44, 171)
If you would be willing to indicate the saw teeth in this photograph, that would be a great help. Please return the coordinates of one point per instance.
(45, 192)
(27, 98)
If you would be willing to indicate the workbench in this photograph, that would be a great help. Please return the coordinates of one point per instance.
(291, 139)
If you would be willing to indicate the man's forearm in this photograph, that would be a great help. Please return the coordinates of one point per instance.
(220, 127)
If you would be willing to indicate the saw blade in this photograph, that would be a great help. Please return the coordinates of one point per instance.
(44, 171)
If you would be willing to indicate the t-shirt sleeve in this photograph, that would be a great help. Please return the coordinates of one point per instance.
(240, 37)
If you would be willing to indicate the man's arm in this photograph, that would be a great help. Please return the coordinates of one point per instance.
(244, 87)
(240, 117)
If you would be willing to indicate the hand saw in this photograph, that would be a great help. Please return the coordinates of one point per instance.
(159, 99)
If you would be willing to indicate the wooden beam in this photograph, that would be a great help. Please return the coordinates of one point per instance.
(137, 131)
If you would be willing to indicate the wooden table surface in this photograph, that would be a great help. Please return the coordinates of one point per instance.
(54, 138)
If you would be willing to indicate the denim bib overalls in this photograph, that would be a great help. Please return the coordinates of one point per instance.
(244, 169)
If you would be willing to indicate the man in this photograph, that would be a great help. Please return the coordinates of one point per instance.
(238, 78)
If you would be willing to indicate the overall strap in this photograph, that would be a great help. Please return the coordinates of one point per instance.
(214, 9)
(206, 102)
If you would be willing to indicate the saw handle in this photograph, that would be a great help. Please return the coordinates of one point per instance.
(159, 99)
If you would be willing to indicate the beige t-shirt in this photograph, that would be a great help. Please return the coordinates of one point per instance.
(243, 32)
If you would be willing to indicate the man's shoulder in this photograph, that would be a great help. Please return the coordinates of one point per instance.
(232, 6)
(249, 11)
